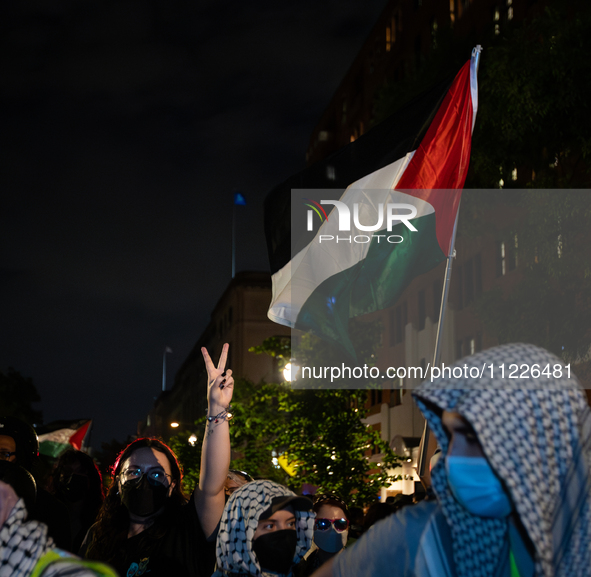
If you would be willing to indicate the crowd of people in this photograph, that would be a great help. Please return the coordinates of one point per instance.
(510, 496)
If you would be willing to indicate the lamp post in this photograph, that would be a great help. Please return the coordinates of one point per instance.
(166, 350)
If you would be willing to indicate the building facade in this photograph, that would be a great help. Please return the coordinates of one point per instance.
(240, 319)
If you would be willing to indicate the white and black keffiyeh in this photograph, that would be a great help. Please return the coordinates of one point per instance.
(21, 543)
(234, 554)
(536, 434)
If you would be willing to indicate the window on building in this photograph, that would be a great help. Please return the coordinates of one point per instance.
(512, 254)
(470, 348)
(468, 282)
(460, 289)
(392, 327)
(434, 27)
(509, 9)
(401, 316)
(388, 38)
(436, 300)
(331, 173)
(376, 397)
(395, 397)
(452, 11)
(422, 310)
(477, 275)
(497, 20)
(501, 258)
(506, 256)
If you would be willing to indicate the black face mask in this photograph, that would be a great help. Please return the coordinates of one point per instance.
(143, 498)
(275, 551)
(75, 488)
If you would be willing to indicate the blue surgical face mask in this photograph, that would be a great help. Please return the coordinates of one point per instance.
(476, 487)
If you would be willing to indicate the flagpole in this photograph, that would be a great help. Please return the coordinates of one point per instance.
(233, 237)
(422, 464)
(166, 350)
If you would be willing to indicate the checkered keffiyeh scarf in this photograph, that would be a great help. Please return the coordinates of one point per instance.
(234, 554)
(21, 543)
(536, 434)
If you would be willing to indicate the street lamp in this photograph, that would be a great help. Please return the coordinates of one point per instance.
(290, 372)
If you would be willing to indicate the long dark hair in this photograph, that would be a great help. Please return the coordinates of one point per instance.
(112, 526)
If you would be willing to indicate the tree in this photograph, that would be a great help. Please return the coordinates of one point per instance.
(17, 394)
(323, 434)
(187, 447)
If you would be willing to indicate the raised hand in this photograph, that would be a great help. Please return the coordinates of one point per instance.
(220, 384)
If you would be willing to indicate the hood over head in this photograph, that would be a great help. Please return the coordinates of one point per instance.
(535, 431)
(240, 519)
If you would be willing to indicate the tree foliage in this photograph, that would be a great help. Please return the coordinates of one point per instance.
(533, 115)
(321, 432)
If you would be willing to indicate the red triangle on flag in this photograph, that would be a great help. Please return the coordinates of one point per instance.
(77, 438)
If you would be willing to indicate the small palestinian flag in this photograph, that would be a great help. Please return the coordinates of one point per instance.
(391, 217)
(57, 437)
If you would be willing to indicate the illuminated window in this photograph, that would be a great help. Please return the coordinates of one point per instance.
(501, 259)
(514, 174)
(452, 11)
(506, 256)
(388, 38)
(331, 173)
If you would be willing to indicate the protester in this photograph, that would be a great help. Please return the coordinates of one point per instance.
(265, 530)
(26, 550)
(512, 484)
(375, 513)
(331, 530)
(235, 480)
(145, 525)
(77, 483)
(19, 444)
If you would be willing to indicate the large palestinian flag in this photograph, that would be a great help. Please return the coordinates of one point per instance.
(366, 251)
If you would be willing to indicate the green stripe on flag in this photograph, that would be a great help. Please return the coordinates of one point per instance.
(372, 284)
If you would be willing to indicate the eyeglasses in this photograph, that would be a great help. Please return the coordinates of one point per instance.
(155, 476)
(5, 455)
(340, 525)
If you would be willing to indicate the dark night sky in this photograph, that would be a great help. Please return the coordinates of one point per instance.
(126, 126)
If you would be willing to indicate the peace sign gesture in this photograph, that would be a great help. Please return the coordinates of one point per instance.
(220, 384)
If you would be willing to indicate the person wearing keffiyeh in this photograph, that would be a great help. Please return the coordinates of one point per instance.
(26, 550)
(265, 531)
(513, 484)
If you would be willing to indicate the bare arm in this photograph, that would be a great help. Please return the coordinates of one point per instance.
(215, 455)
(324, 570)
